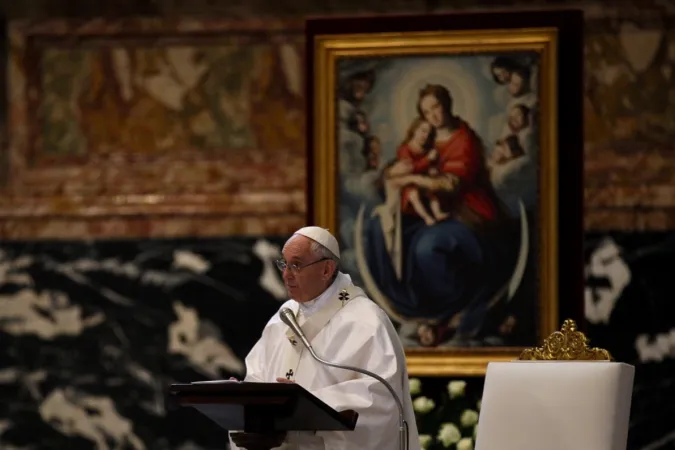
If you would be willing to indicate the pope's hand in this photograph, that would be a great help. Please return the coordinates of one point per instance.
(284, 380)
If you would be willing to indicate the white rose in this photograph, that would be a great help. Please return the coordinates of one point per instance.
(456, 388)
(475, 432)
(468, 418)
(423, 405)
(465, 444)
(415, 386)
(425, 440)
(449, 434)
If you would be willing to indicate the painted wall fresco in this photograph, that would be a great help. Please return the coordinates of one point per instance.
(152, 118)
(629, 104)
(630, 123)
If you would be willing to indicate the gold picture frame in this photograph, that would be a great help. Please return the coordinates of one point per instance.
(326, 49)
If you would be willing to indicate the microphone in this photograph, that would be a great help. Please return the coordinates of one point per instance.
(288, 317)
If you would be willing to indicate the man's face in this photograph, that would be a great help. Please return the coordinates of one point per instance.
(309, 281)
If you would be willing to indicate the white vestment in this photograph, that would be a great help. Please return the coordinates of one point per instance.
(345, 327)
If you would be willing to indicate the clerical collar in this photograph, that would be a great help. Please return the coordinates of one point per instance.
(341, 281)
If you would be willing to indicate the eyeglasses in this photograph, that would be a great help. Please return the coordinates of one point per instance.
(282, 265)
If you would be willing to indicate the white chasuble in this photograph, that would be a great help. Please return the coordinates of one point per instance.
(312, 322)
(345, 327)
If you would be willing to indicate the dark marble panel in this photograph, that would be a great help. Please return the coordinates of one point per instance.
(93, 333)
(630, 311)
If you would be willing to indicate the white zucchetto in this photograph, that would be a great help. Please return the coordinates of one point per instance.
(323, 237)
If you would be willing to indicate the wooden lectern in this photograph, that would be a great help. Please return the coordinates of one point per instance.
(268, 409)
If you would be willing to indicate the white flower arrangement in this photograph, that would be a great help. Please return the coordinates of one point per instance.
(425, 440)
(469, 418)
(415, 386)
(423, 405)
(465, 444)
(447, 418)
(449, 434)
(456, 388)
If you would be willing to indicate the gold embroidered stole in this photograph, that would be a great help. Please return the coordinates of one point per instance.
(311, 326)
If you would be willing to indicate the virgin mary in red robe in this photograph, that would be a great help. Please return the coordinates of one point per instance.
(461, 263)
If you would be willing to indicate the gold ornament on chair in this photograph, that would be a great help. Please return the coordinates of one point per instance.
(568, 344)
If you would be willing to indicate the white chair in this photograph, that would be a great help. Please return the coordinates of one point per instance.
(561, 396)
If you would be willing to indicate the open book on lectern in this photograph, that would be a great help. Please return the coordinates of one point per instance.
(261, 407)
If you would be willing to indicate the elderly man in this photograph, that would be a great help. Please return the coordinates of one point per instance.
(345, 327)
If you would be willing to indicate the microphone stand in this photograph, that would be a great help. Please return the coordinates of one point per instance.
(402, 424)
(289, 319)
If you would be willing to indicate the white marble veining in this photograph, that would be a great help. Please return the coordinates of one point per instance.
(93, 333)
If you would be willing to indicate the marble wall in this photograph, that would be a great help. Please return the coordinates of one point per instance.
(629, 311)
(93, 332)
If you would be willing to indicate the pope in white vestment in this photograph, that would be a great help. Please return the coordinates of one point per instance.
(344, 327)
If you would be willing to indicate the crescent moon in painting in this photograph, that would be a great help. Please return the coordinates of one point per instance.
(509, 288)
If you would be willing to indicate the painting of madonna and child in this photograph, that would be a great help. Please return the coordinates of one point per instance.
(438, 194)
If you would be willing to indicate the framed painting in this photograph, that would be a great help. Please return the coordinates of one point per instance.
(446, 154)
(192, 125)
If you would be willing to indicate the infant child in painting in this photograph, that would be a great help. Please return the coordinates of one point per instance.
(417, 148)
